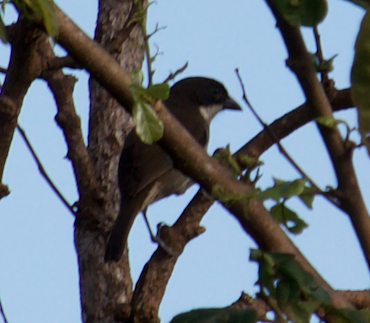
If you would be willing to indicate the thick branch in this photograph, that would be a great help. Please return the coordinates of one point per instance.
(340, 151)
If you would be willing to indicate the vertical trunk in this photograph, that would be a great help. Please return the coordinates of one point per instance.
(104, 286)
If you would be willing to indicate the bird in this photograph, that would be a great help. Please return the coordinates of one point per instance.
(146, 173)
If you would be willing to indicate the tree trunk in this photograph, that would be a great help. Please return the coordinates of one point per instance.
(105, 286)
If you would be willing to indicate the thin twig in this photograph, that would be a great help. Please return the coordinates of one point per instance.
(2, 312)
(319, 54)
(281, 148)
(43, 172)
(142, 23)
(173, 75)
(3, 70)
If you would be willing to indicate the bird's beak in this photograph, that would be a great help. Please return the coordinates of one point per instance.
(230, 104)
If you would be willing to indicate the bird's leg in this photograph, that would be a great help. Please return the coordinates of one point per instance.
(157, 238)
(152, 237)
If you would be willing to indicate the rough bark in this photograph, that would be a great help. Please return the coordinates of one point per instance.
(103, 286)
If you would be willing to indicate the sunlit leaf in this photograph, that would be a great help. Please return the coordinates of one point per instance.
(137, 77)
(249, 161)
(327, 121)
(50, 21)
(159, 91)
(282, 189)
(308, 196)
(148, 126)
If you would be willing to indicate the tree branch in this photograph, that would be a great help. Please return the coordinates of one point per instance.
(56, 63)
(24, 67)
(62, 88)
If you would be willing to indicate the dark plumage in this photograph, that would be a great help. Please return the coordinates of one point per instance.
(146, 172)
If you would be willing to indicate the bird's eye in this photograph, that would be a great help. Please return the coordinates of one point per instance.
(217, 93)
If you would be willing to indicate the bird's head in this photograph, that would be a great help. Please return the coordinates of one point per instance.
(209, 95)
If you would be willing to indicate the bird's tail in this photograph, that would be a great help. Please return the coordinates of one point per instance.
(120, 231)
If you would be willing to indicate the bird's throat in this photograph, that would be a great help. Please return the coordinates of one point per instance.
(209, 111)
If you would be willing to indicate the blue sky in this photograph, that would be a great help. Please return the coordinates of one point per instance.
(38, 273)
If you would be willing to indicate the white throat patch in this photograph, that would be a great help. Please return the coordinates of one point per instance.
(210, 111)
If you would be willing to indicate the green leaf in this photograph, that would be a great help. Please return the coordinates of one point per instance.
(288, 218)
(287, 267)
(302, 12)
(136, 78)
(301, 311)
(217, 315)
(320, 295)
(307, 196)
(282, 189)
(43, 10)
(296, 291)
(255, 255)
(283, 291)
(149, 127)
(49, 18)
(266, 269)
(360, 75)
(249, 161)
(159, 91)
(2, 31)
(327, 121)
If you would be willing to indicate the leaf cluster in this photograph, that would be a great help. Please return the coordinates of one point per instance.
(280, 192)
(284, 283)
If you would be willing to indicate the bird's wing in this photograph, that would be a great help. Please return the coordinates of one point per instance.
(140, 165)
